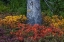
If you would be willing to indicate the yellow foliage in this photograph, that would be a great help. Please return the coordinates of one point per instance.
(56, 21)
(12, 20)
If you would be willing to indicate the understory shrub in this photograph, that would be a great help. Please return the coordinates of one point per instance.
(13, 28)
(35, 32)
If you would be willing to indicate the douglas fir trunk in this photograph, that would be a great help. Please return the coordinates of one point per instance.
(34, 12)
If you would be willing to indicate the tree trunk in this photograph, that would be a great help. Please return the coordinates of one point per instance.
(34, 12)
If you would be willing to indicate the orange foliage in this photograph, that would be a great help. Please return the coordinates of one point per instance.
(36, 31)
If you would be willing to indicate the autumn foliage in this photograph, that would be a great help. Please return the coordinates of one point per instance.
(35, 32)
(18, 29)
(11, 21)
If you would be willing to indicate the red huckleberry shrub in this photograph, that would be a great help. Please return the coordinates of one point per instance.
(35, 32)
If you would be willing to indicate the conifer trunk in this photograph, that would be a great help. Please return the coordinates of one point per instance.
(34, 12)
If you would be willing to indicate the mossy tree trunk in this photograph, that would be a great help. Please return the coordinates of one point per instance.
(34, 12)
